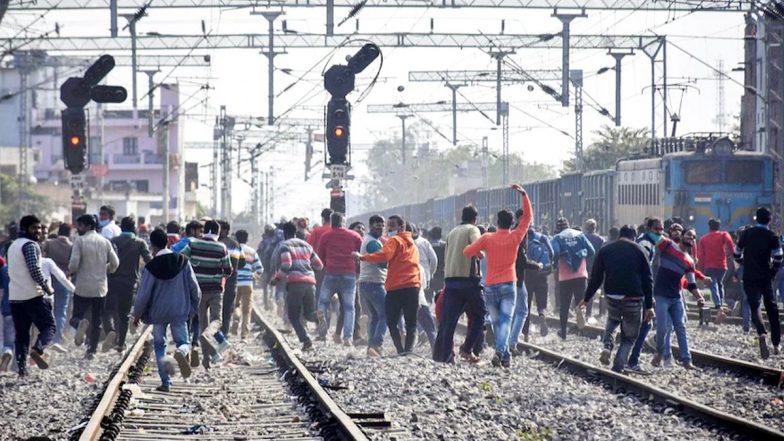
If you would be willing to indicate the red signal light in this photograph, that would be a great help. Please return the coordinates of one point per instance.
(339, 132)
(75, 140)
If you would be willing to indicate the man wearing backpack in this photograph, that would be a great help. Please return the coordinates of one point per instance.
(539, 251)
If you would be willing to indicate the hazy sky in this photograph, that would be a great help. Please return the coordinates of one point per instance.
(239, 78)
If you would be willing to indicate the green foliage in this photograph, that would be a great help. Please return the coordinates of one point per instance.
(11, 204)
(431, 174)
(611, 144)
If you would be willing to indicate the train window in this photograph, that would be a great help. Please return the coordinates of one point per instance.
(702, 172)
(744, 172)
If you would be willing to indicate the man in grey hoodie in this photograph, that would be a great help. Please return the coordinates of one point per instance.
(168, 296)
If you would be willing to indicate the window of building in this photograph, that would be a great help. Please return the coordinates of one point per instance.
(130, 146)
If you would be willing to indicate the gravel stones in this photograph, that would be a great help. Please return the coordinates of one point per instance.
(48, 402)
(531, 401)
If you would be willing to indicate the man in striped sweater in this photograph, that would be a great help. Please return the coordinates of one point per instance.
(249, 267)
(296, 265)
(211, 264)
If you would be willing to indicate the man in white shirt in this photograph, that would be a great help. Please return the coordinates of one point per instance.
(106, 222)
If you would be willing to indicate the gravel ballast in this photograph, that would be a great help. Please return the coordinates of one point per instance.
(532, 401)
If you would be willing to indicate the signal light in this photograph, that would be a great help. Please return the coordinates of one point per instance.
(338, 124)
(74, 124)
(75, 140)
(339, 132)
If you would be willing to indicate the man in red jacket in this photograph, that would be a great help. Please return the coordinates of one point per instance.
(335, 248)
(712, 255)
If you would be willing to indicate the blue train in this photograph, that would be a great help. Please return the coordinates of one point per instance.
(692, 178)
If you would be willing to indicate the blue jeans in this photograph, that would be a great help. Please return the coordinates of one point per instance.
(9, 334)
(373, 294)
(180, 336)
(345, 286)
(61, 299)
(520, 314)
(672, 308)
(717, 284)
(500, 301)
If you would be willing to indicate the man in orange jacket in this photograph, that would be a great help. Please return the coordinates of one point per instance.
(500, 280)
(402, 284)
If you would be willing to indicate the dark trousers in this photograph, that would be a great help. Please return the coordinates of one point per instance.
(228, 304)
(36, 311)
(569, 291)
(119, 301)
(459, 297)
(357, 314)
(403, 302)
(762, 291)
(301, 302)
(95, 306)
(537, 287)
(627, 315)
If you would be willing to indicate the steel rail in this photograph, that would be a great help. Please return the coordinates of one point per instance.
(769, 375)
(348, 428)
(652, 394)
(93, 429)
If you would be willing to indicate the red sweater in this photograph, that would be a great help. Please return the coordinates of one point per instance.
(335, 248)
(315, 236)
(501, 248)
(714, 249)
(403, 256)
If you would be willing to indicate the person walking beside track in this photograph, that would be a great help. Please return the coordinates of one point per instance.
(371, 285)
(462, 292)
(29, 296)
(712, 253)
(249, 268)
(297, 265)
(168, 297)
(501, 248)
(572, 250)
(92, 257)
(123, 283)
(402, 283)
(59, 250)
(623, 268)
(759, 253)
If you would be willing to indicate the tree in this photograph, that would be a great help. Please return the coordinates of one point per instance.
(612, 144)
(11, 202)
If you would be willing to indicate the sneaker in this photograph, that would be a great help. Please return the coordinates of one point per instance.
(775, 349)
(637, 370)
(469, 357)
(81, 331)
(5, 361)
(543, 329)
(322, 323)
(506, 363)
(109, 341)
(668, 363)
(348, 343)
(372, 352)
(690, 367)
(182, 362)
(592, 321)
(763, 345)
(163, 388)
(41, 360)
(579, 317)
(605, 357)
(656, 360)
(308, 345)
(496, 361)
(562, 334)
(22, 372)
(57, 347)
(194, 357)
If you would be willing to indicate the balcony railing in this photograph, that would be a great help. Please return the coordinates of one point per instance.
(149, 158)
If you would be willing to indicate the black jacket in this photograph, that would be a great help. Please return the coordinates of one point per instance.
(624, 269)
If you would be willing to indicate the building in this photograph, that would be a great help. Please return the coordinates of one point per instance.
(126, 164)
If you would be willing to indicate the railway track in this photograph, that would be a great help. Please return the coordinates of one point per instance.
(726, 425)
(265, 394)
(768, 375)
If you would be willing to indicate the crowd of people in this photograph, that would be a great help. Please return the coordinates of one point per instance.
(196, 284)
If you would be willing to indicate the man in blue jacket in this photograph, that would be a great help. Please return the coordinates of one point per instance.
(168, 296)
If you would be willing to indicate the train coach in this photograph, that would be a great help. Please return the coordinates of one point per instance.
(694, 179)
